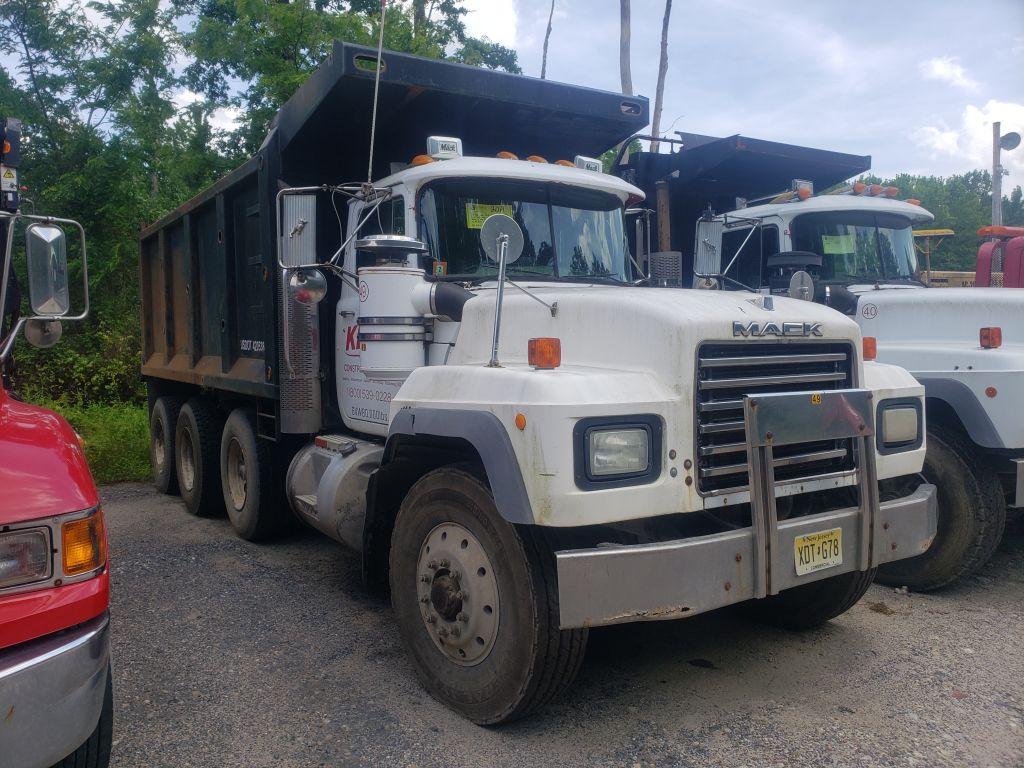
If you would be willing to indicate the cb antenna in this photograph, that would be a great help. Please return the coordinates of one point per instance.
(376, 89)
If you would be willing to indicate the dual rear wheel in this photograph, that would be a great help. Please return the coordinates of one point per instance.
(216, 464)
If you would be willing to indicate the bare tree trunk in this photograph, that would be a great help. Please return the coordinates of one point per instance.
(659, 95)
(547, 36)
(624, 34)
(419, 17)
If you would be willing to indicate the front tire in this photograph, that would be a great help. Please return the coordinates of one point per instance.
(197, 457)
(162, 423)
(811, 605)
(972, 515)
(246, 471)
(477, 603)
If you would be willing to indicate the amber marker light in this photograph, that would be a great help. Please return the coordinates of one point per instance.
(421, 160)
(545, 353)
(520, 421)
(859, 188)
(84, 545)
(991, 338)
(870, 347)
(566, 163)
(990, 392)
(506, 155)
(536, 159)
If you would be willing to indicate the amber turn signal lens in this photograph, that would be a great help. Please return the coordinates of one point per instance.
(84, 543)
(545, 353)
(870, 348)
(991, 338)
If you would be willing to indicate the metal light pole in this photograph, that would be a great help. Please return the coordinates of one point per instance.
(1009, 141)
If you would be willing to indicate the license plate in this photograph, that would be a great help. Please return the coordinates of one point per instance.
(818, 551)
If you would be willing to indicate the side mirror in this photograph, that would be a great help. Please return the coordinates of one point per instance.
(307, 286)
(46, 254)
(502, 240)
(43, 334)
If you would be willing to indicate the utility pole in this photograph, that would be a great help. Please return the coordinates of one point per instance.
(997, 178)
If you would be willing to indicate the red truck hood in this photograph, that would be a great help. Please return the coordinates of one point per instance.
(42, 468)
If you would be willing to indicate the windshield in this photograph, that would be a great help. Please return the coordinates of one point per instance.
(857, 245)
(569, 233)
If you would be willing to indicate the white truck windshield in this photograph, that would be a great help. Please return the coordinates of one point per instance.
(569, 233)
(857, 245)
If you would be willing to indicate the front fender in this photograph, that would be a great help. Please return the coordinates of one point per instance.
(890, 382)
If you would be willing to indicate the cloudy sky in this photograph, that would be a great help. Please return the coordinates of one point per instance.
(915, 84)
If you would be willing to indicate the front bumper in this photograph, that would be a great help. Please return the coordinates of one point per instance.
(669, 580)
(51, 694)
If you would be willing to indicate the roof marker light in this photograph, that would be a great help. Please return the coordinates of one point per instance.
(589, 163)
(566, 163)
(421, 160)
(859, 188)
(875, 189)
(892, 191)
(913, 201)
(444, 147)
(506, 155)
(536, 159)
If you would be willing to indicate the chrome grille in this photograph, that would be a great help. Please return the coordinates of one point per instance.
(726, 371)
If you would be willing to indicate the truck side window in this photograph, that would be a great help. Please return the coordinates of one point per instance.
(749, 267)
(389, 219)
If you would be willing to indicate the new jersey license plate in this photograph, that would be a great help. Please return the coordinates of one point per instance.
(818, 551)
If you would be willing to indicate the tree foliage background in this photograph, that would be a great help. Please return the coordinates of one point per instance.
(95, 84)
(111, 142)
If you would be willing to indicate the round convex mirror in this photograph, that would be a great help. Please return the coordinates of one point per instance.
(494, 227)
(801, 286)
(307, 286)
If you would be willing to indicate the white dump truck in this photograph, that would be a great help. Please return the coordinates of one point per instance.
(853, 250)
(466, 379)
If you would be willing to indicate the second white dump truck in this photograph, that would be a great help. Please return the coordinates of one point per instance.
(465, 378)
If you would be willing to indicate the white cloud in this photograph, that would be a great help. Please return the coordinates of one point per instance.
(947, 69)
(969, 144)
(497, 20)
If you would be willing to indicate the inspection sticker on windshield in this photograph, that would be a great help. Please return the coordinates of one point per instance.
(817, 551)
(477, 213)
(838, 244)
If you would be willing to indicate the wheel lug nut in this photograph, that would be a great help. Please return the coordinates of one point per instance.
(426, 578)
(463, 617)
(442, 632)
(425, 599)
(460, 595)
(444, 562)
(432, 565)
(431, 619)
(456, 631)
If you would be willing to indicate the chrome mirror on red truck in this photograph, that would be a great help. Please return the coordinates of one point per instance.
(46, 255)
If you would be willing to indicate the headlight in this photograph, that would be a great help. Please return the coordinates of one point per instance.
(615, 451)
(618, 451)
(898, 426)
(24, 556)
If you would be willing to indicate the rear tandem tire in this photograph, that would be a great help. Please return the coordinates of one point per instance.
(247, 482)
(490, 589)
(162, 423)
(197, 457)
(811, 605)
(972, 515)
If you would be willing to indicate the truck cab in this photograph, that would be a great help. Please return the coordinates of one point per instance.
(854, 251)
(55, 681)
(467, 379)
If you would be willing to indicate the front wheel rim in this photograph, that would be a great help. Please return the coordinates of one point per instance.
(457, 594)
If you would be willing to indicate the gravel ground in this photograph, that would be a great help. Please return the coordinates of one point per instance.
(233, 654)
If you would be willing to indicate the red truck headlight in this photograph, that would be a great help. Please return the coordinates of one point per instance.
(24, 556)
(84, 544)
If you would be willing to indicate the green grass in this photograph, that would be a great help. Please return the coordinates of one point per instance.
(116, 439)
